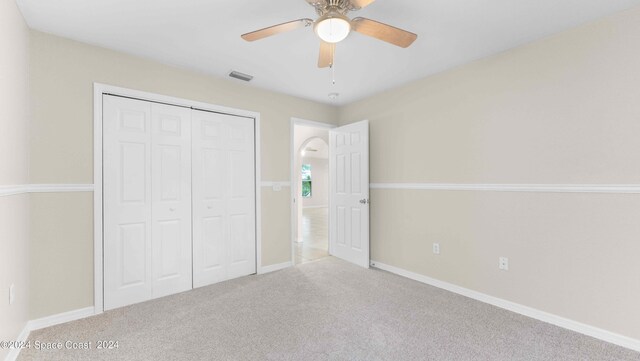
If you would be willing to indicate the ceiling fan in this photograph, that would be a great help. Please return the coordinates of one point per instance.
(333, 26)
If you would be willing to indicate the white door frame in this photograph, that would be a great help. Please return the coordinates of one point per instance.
(293, 177)
(98, 91)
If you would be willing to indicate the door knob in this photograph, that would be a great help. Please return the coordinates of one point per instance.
(172, 209)
(364, 201)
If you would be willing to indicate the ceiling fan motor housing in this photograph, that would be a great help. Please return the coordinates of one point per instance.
(332, 27)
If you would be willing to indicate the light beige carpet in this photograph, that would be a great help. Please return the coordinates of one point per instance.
(322, 310)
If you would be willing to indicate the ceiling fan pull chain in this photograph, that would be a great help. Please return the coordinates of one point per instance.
(333, 74)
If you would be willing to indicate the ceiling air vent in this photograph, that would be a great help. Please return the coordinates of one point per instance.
(241, 76)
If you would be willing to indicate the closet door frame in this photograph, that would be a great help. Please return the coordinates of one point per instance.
(102, 89)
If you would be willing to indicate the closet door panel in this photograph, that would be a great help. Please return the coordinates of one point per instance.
(223, 197)
(179, 199)
(127, 201)
(210, 223)
(171, 199)
(241, 201)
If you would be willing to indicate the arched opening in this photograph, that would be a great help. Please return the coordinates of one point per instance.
(311, 190)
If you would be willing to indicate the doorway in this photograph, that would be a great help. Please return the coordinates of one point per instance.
(310, 191)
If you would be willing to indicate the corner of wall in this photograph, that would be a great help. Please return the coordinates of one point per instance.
(14, 175)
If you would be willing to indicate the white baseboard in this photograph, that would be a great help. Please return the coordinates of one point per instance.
(60, 318)
(15, 352)
(46, 322)
(559, 321)
(274, 267)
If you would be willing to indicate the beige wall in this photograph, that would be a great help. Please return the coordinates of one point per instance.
(14, 167)
(276, 224)
(63, 73)
(61, 253)
(561, 110)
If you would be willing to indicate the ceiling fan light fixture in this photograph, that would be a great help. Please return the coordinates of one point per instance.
(332, 27)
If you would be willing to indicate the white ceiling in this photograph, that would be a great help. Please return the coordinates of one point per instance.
(204, 35)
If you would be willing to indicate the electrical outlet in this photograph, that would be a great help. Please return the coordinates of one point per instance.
(503, 263)
(11, 294)
(436, 248)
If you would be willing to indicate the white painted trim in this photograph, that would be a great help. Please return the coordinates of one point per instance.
(273, 184)
(258, 186)
(48, 322)
(98, 91)
(60, 318)
(275, 267)
(98, 288)
(310, 123)
(52, 188)
(12, 190)
(543, 188)
(44, 188)
(15, 352)
(292, 176)
(153, 97)
(559, 321)
(322, 206)
(9, 190)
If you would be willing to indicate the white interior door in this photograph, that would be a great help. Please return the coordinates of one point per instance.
(127, 201)
(224, 228)
(349, 192)
(171, 199)
(147, 200)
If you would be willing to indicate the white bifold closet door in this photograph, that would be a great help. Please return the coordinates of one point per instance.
(224, 203)
(179, 199)
(147, 200)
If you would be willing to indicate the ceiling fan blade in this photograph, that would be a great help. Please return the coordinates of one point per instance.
(359, 4)
(277, 29)
(327, 52)
(384, 32)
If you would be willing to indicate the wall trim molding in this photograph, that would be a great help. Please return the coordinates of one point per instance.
(275, 267)
(543, 316)
(540, 188)
(8, 190)
(11, 190)
(61, 318)
(45, 188)
(15, 352)
(48, 322)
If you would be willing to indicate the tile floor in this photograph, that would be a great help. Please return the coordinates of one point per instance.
(315, 235)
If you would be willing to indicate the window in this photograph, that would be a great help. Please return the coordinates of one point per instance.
(306, 180)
